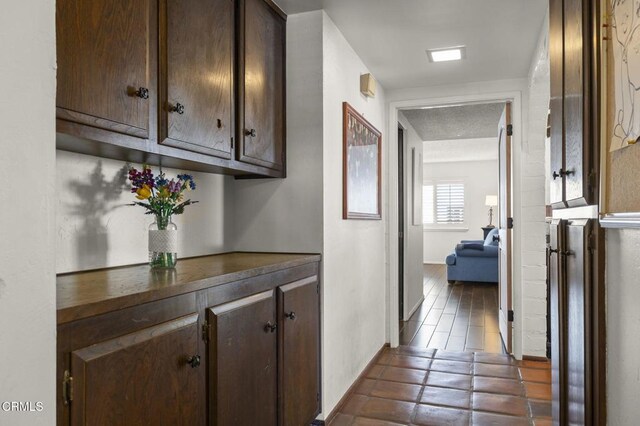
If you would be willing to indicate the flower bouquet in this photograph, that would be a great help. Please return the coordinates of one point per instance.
(162, 198)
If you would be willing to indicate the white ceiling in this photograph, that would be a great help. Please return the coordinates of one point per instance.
(450, 151)
(391, 37)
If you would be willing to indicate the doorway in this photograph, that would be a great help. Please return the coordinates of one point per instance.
(401, 218)
(514, 97)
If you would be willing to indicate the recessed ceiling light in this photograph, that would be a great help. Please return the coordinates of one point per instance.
(446, 54)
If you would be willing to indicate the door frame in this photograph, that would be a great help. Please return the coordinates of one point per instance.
(402, 222)
(515, 97)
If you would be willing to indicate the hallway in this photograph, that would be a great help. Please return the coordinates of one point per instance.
(455, 317)
(412, 386)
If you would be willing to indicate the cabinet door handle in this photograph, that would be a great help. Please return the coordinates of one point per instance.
(291, 315)
(219, 124)
(251, 132)
(270, 327)
(178, 107)
(552, 251)
(142, 93)
(194, 361)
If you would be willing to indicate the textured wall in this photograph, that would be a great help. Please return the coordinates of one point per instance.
(354, 250)
(27, 173)
(97, 228)
(533, 170)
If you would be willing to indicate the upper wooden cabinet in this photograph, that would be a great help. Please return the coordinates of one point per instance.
(154, 82)
(105, 51)
(262, 84)
(574, 114)
(196, 85)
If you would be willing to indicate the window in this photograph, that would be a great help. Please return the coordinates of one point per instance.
(443, 203)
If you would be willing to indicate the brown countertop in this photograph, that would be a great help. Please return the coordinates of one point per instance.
(83, 294)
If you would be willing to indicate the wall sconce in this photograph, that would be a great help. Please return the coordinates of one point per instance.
(491, 201)
(368, 85)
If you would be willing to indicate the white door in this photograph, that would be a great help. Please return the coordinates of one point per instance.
(505, 224)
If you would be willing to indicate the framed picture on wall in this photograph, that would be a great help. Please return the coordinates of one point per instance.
(362, 162)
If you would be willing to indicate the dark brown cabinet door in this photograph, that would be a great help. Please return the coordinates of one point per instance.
(299, 352)
(197, 45)
(262, 91)
(578, 317)
(105, 52)
(576, 103)
(557, 301)
(556, 60)
(144, 378)
(243, 362)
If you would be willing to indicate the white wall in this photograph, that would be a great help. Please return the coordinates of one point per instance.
(286, 215)
(534, 185)
(623, 323)
(96, 227)
(480, 179)
(413, 250)
(27, 260)
(354, 250)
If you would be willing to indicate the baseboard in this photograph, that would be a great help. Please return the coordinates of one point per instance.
(434, 262)
(535, 358)
(415, 308)
(329, 418)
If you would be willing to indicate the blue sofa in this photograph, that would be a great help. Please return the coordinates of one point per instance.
(474, 260)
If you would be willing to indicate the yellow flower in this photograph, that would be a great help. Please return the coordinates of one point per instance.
(164, 192)
(143, 193)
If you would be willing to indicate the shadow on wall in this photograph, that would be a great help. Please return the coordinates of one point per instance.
(96, 197)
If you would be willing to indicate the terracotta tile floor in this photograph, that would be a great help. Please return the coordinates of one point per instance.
(415, 386)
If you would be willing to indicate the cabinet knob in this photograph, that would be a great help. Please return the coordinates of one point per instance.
(291, 315)
(557, 175)
(219, 124)
(178, 107)
(496, 238)
(552, 251)
(251, 132)
(270, 327)
(194, 361)
(142, 93)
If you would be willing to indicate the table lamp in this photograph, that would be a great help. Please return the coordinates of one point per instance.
(491, 201)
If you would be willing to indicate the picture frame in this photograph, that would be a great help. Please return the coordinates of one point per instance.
(619, 153)
(362, 167)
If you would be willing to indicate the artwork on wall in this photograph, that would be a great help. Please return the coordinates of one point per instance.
(362, 162)
(620, 106)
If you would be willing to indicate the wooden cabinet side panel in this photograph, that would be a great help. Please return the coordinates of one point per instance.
(262, 92)
(104, 53)
(299, 316)
(141, 378)
(558, 329)
(243, 362)
(197, 44)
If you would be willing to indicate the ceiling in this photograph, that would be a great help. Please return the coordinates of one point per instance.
(456, 122)
(460, 150)
(391, 37)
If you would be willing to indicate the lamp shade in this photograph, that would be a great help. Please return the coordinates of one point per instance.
(491, 200)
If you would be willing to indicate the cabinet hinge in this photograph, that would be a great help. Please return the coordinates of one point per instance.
(318, 287)
(509, 223)
(67, 388)
(205, 331)
(510, 315)
(232, 142)
(591, 244)
(318, 396)
(509, 129)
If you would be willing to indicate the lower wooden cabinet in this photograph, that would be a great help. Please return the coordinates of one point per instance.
(242, 353)
(264, 365)
(152, 376)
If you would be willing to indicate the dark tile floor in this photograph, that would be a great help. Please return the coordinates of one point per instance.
(457, 317)
(415, 386)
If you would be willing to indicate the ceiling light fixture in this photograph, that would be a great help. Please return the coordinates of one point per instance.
(455, 53)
